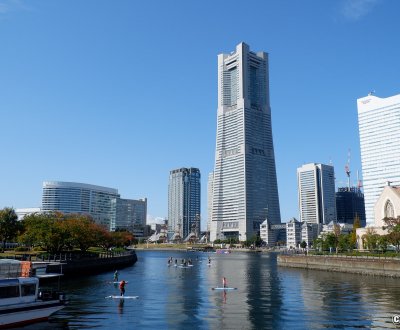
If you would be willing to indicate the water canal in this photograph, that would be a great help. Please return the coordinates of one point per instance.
(268, 297)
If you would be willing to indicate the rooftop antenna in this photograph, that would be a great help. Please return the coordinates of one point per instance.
(347, 169)
(371, 92)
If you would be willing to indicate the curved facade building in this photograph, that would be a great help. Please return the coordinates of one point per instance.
(72, 197)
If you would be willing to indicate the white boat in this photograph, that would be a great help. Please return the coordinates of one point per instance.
(21, 300)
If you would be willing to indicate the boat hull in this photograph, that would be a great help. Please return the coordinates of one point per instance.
(28, 313)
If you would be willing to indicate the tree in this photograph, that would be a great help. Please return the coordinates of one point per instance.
(370, 239)
(303, 244)
(353, 235)
(393, 226)
(45, 230)
(81, 230)
(9, 225)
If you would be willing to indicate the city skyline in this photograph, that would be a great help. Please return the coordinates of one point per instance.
(100, 93)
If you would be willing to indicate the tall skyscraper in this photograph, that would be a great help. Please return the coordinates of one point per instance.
(379, 126)
(316, 191)
(245, 189)
(184, 203)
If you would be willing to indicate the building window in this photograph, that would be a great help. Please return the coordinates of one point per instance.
(389, 211)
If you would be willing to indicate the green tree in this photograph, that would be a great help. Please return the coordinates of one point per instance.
(370, 239)
(393, 226)
(344, 242)
(45, 230)
(303, 244)
(9, 225)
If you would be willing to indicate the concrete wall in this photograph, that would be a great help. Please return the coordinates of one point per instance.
(358, 265)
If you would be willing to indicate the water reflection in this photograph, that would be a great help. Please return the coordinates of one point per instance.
(268, 296)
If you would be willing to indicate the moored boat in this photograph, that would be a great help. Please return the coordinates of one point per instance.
(21, 299)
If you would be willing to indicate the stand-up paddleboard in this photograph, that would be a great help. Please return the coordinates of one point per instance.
(122, 297)
(183, 266)
(126, 282)
(223, 288)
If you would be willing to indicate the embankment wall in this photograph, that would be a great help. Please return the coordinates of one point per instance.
(359, 265)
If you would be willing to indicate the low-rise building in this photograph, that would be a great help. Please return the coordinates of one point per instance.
(272, 234)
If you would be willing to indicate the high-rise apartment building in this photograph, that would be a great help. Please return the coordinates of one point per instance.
(245, 189)
(316, 193)
(71, 197)
(379, 126)
(184, 203)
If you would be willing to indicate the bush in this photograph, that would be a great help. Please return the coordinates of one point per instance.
(21, 249)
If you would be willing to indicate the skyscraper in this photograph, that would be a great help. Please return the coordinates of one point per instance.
(379, 126)
(316, 191)
(349, 205)
(184, 203)
(245, 189)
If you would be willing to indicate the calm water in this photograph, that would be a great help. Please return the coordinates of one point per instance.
(268, 297)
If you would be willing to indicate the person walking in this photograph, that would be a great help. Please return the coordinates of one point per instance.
(122, 287)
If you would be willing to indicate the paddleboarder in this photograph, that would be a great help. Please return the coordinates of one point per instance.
(122, 287)
(224, 282)
(116, 276)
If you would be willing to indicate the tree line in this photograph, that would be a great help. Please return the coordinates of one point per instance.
(55, 232)
(370, 240)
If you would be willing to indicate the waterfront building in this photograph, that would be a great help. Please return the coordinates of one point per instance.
(245, 190)
(349, 205)
(316, 193)
(103, 204)
(379, 127)
(132, 215)
(293, 233)
(22, 212)
(273, 234)
(72, 197)
(184, 203)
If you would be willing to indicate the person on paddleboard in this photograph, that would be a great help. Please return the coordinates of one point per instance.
(224, 282)
(116, 276)
(122, 287)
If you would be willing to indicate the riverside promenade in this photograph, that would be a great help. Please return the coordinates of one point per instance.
(378, 266)
(76, 265)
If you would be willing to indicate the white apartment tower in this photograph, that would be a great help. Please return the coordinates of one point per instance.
(245, 189)
(316, 193)
(379, 126)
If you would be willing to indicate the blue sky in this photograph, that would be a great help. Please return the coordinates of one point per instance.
(118, 93)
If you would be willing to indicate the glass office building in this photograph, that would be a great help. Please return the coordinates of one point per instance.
(379, 127)
(184, 203)
(245, 190)
(71, 197)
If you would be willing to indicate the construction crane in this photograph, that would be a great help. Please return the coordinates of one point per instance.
(347, 170)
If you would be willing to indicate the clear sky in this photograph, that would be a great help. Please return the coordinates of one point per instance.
(118, 93)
